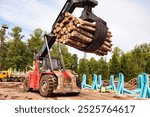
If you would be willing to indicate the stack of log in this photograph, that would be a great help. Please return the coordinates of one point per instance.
(131, 84)
(133, 81)
(79, 33)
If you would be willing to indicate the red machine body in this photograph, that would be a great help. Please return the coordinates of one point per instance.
(35, 75)
(65, 81)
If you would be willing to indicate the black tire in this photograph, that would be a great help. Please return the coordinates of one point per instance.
(47, 84)
(78, 82)
(26, 86)
(4, 80)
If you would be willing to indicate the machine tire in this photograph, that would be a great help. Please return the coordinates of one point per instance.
(26, 86)
(78, 82)
(4, 80)
(47, 84)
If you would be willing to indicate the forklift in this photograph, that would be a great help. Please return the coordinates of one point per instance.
(49, 75)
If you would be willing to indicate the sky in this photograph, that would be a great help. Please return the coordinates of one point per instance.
(128, 20)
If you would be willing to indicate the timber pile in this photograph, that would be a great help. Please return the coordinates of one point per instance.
(79, 33)
(131, 84)
(133, 81)
(106, 82)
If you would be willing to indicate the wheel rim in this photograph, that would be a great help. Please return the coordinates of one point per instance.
(44, 86)
(4, 80)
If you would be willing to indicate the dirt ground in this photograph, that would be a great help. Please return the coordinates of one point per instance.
(14, 91)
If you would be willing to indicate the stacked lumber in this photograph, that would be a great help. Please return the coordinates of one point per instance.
(133, 81)
(79, 33)
(131, 84)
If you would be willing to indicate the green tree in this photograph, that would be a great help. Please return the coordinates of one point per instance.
(93, 66)
(141, 55)
(115, 61)
(147, 67)
(2, 48)
(136, 61)
(128, 66)
(103, 68)
(16, 54)
(35, 43)
(84, 69)
(74, 62)
(5, 50)
(68, 59)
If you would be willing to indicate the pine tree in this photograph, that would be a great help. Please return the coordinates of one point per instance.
(93, 66)
(103, 69)
(74, 62)
(35, 44)
(16, 54)
(115, 61)
(67, 57)
(84, 69)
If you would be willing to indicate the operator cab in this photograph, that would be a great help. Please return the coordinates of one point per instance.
(45, 64)
(56, 64)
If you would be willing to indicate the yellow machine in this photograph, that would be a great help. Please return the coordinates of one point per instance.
(11, 75)
(4, 75)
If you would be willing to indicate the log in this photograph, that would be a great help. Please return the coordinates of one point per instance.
(58, 29)
(108, 39)
(80, 46)
(78, 33)
(64, 29)
(69, 15)
(80, 36)
(109, 34)
(83, 22)
(54, 31)
(70, 23)
(61, 25)
(84, 32)
(58, 36)
(105, 48)
(100, 52)
(107, 44)
(66, 20)
(78, 39)
(75, 21)
(75, 44)
(57, 25)
(87, 28)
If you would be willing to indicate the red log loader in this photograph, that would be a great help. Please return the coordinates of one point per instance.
(49, 75)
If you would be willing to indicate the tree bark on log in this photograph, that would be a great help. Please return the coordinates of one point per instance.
(79, 33)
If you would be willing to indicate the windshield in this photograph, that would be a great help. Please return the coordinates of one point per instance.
(55, 63)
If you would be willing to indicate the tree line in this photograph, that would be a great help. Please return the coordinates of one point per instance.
(17, 54)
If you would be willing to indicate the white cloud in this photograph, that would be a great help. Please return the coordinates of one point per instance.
(127, 19)
(29, 14)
